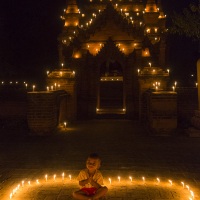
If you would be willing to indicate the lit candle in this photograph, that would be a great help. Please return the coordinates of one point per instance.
(182, 184)
(33, 88)
(65, 124)
(196, 84)
(187, 186)
(175, 83)
(37, 181)
(47, 88)
(143, 178)
(11, 195)
(170, 182)
(22, 183)
(192, 193)
(26, 85)
(149, 64)
(156, 88)
(110, 180)
(119, 178)
(158, 180)
(130, 178)
(173, 88)
(54, 177)
(46, 176)
(63, 176)
(70, 177)
(29, 182)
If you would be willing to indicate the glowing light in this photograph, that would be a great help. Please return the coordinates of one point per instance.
(70, 177)
(37, 181)
(63, 176)
(54, 177)
(119, 178)
(65, 124)
(183, 184)
(188, 187)
(130, 178)
(143, 178)
(33, 88)
(170, 181)
(46, 176)
(110, 180)
(158, 180)
(149, 64)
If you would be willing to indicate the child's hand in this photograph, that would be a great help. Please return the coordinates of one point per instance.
(90, 179)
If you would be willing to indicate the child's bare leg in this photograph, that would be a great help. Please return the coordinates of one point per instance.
(100, 192)
(80, 195)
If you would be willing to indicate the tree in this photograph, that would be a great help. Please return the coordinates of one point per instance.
(188, 22)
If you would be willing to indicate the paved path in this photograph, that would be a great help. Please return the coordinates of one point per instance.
(126, 150)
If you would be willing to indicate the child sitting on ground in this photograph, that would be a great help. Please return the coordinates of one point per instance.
(91, 180)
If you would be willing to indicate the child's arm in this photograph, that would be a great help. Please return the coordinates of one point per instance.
(94, 183)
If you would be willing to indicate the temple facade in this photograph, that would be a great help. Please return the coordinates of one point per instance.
(110, 53)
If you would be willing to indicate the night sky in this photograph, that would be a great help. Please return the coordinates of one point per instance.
(29, 31)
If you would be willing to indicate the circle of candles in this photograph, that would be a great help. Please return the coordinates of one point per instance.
(14, 191)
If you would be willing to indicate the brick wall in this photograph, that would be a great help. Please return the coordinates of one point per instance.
(44, 111)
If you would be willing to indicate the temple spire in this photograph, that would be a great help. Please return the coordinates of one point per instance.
(72, 6)
(151, 6)
(162, 15)
(72, 13)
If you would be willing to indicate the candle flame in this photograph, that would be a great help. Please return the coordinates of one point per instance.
(119, 178)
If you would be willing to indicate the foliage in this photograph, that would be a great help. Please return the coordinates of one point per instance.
(188, 22)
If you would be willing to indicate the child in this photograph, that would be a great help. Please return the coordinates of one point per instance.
(91, 180)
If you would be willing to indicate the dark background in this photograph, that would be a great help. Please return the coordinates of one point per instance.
(28, 40)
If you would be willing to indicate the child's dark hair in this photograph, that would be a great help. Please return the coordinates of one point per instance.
(94, 156)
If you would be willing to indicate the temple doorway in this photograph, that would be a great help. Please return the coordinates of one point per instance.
(111, 92)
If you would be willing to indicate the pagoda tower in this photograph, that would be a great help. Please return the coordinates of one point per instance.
(71, 18)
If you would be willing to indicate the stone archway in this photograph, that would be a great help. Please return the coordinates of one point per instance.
(111, 88)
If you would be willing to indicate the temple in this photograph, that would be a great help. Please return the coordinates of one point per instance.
(110, 52)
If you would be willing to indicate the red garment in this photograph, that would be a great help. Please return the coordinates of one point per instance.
(89, 191)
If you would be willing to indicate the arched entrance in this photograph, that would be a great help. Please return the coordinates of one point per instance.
(111, 93)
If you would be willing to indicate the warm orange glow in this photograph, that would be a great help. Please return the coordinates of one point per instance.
(146, 53)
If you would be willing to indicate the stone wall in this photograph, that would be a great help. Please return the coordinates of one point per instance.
(44, 111)
(161, 112)
(187, 100)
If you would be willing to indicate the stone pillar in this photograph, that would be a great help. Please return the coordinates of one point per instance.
(42, 112)
(198, 79)
(195, 121)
